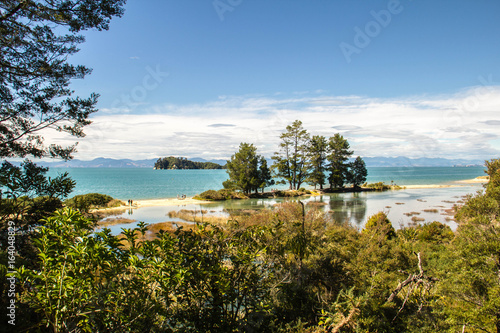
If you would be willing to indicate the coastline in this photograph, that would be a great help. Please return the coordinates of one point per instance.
(191, 201)
(459, 183)
(403, 187)
(168, 202)
(477, 180)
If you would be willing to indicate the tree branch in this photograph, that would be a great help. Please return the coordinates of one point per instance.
(13, 11)
(412, 281)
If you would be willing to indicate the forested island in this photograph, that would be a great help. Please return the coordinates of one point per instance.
(172, 162)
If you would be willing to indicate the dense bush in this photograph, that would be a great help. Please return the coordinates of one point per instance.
(380, 186)
(291, 193)
(435, 232)
(380, 225)
(223, 194)
(88, 201)
(279, 270)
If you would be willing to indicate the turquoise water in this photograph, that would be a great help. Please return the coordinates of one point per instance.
(141, 183)
(423, 175)
(429, 204)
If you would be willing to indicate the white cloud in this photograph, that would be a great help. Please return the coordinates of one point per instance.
(460, 125)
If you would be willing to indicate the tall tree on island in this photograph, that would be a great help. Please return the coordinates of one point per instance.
(265, 176)
(317, 160)
(36, 39)
(247, 170)
(338, 156)
(357, 172)
(290, 163)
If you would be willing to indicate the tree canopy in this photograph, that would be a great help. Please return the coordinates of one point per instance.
(338, 157)
(36, 39)
(291, 160)
(357, 172)
(303, 159)
(247, 170)
(318, 148)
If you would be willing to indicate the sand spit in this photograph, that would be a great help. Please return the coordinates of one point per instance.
(151, 203)
(477, 180)
(168, 202)
(426, 186)
(481, 179)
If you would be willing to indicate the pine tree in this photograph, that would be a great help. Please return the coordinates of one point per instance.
(338, 157)
(357, 172)
(317, 160)
(265, 176)
(247, 170)
(36, 39)
(291, 161)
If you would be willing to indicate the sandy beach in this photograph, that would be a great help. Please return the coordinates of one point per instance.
(477, 180)
(154, 203)
(481, 179)
(427, 186)
(168, 202)
(191, 201)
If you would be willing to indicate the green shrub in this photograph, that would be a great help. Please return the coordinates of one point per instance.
(380, 224)
(88, 201)
(115, 203)
(434, 232)
(224, 194)
(290, 193)
(377, 186)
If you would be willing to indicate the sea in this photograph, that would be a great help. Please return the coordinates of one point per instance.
(403, 207)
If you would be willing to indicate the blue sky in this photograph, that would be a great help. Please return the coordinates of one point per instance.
(197, 77)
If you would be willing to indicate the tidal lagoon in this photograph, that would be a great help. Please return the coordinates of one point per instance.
(418, 203)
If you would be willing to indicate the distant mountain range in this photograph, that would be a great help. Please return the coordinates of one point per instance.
(400, 161)
(418, 162)
(102, 162)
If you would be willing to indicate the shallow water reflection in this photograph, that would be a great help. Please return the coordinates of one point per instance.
(403, 207)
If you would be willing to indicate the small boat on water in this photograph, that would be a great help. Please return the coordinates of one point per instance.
(181, 197)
